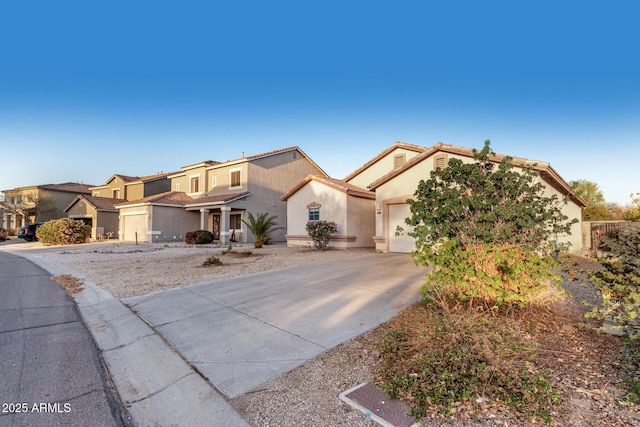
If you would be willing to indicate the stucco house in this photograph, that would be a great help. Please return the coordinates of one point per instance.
(393, 189)
(347, 202)
(217, 196)
(98, 210)
(382, 187)
(39, 203)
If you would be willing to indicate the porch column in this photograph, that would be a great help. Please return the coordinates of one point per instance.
(224, 224)
(204, 216)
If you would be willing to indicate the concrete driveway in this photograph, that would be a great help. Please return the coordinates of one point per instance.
(243, 331)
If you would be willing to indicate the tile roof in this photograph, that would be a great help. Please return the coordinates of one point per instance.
(177, 198)
(382, 154)
(337, 184)
(543, 168)
(99, 203)
(217, 200)
(71, 187)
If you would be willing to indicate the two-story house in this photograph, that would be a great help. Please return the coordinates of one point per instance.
(98, 209)
(39, 203)
(371, 203)
(217, 196)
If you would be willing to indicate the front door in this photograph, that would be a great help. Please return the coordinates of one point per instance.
(216, 227)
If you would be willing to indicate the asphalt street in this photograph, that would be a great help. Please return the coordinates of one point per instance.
(50, 370)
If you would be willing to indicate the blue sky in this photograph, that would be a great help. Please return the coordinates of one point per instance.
(90, 89)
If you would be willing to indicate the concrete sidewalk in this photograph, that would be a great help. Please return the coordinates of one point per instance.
(237, 333)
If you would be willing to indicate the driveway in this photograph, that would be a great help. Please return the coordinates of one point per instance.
(243, 331)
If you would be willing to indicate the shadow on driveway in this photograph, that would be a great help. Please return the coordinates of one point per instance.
(243, 331)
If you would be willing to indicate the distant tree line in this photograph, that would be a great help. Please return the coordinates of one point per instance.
(598, 209)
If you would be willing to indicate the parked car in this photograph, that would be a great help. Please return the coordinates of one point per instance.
(28, 232)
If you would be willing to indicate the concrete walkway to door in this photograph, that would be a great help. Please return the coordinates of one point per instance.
(243, 331)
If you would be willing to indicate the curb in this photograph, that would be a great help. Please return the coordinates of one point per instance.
(156, 386)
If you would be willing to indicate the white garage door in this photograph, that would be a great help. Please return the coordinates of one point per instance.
(402, 243)
(135, 224)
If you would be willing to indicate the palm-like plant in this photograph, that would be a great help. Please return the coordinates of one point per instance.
(261, 226)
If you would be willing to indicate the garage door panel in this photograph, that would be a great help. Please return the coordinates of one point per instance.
(403, 243)
(135, 224)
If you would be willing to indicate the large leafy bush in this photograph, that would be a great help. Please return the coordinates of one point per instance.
(479, 224)
(64, 231)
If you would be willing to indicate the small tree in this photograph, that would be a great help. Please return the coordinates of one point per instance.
(320, 232)
(479, 224)
(261, 226)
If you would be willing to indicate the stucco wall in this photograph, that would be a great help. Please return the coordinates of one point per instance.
(271, 177)
(406, 183)
(361, 221)
(133, 191)
(172, 223)
(380, 168)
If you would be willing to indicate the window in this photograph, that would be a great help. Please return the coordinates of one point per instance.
(214, 181)
(399, 160)
(314, 214)
(195, 184)
(235, 222)
(177, 186)
(116, 193)
(234, 179)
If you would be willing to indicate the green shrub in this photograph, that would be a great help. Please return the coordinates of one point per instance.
(3, 235)
(63, 231)
(199, 237)
(204, 237)
(320, 232)
(479, 225)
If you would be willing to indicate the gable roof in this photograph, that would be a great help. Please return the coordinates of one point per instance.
(545, 170)
(209, 164)
(69, 187)
(216, 200)
(337, 184)
(171, 198)
(382, 154)
(105, 204)
(128, 180)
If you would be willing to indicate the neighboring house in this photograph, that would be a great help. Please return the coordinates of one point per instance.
(381, 188)
(133, 187)
(322, 198)
(39, 203)
(393, 189)
(346, 202)
(98, 210)
(217, 196)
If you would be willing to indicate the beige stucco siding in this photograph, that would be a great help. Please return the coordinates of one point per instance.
(361, 221)
(172, 223)
(271, 177)
(380, 168)
(403, 186)
(133, 191)
(353, 216)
